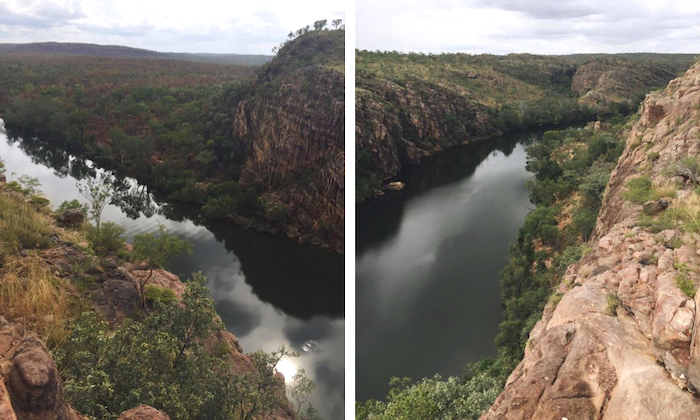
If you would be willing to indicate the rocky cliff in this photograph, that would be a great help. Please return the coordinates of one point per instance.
(293, 125)
(410, 106)
(624, 341)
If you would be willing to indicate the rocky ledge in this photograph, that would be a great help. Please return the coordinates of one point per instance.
(624, 340)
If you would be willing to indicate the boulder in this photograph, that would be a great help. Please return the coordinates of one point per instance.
(143, 412)
(395, 186)
(34, 382)
(71, 217)
(655, 207)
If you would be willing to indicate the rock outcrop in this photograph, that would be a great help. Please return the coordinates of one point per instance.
(293, 125)
(623, 341)
(423, 119)
(30, 384)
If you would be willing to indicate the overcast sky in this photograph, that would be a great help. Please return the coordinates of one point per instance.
(535, 26)
(232, 26)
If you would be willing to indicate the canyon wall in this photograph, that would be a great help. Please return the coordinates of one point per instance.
(293, 125)
(624, 340)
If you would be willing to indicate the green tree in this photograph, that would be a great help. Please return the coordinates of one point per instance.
(97, 196)
(163, 362)
(319, 25)
(156, 250)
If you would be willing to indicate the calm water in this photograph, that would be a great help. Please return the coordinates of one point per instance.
(428, 263)
(269, 290)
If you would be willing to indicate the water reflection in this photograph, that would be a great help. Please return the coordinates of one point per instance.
(428, 263)
(268, 290)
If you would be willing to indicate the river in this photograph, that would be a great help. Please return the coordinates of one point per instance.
(269, 290)
(428, 263)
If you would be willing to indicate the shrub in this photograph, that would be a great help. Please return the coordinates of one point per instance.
(613, 302)
(109, 239)
(160, 294)
(639, 190)
(166, 365)
(70, 205)
(686, 285)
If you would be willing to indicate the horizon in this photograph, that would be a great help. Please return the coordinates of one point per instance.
(547, 27)
(131, 47)
(209, 27)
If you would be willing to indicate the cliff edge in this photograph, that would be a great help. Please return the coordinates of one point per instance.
(624, 340)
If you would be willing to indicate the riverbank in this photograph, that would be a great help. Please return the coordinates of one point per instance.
(53, 279)
(269, 291)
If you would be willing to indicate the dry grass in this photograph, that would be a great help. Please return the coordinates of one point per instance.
(21, 226)
(30, 294)
(687, 211)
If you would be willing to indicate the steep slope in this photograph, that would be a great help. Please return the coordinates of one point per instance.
(623, 341)
(409, 106)
(293, 125)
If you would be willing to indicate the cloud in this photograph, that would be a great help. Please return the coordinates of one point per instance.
(201, 26)
(544, 26)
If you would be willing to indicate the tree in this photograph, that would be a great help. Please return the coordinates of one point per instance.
(337, 23)
(156, 249)
(163, 362)
(97, 195)
(319, 25)
(300, 390)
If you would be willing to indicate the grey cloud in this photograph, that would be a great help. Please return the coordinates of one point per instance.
(42, 16)
(543, 9)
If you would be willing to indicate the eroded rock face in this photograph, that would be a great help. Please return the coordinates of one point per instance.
(424, 119)
(296, 143)
(623, 342)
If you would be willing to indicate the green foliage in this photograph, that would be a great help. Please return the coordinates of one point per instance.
(108, 240)
(613, 302)
(433, 398)
(639, 190)
(21, 227)
(163, 363)
(687, 285)
(97, 195)
(160, 294)
(71, 205)
(156, 249)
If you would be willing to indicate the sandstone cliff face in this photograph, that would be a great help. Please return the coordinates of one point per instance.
(294, 127)
(624, 341)
(605, 81)
(421, 120)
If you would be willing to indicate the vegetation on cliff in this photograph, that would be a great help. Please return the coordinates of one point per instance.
(183, 129)
(571, 169)
(412, 105)
(116, 348)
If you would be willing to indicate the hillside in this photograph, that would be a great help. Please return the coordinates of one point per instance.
(73, 297)
(262, 147)
(621, 341)
(116, 51)
(294, 123)
(412, 105)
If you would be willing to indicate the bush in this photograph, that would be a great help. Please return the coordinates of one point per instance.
(686, 285)
(166, 365)
(160, 294)
(70, 205)
(108, 240)
(639, 190)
